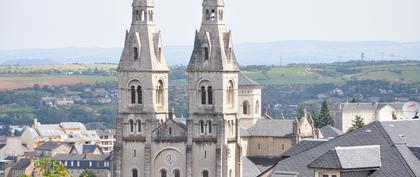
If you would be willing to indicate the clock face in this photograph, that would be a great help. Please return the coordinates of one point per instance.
(170, 159)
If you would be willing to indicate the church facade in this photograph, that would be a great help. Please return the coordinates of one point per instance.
(222, 103)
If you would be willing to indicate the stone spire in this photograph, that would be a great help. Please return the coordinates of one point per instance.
(213, 49)
(143, 42)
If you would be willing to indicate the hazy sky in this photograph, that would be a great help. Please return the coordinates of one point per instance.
(102, 23)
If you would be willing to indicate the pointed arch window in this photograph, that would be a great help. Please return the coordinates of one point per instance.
(177, 173)
(257, 107)
(201, 127)
(159, 93)
(206, 53)
(245, 106)
(138, 125)
(209, 125)
(163, 173)
(136, 53)
(131, 122)
(203, 95)
(205, 173)
(230, 93)
(133, 95)
(134, 173)
(139, 95)
(210, 94)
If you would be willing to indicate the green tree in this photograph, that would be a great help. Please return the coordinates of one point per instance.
(88, 173)
(46, 167)
(315, 117)
(354, 100)
(324, 115)
(357, 123)
(300, 111)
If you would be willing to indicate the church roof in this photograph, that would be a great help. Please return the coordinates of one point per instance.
(246, 81)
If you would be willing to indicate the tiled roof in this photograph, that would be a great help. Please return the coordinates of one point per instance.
(271, 128)
(329, 131)
(22, 164)
(377, 133)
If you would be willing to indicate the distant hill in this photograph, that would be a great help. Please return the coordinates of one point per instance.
(275, 53)
(29, 62)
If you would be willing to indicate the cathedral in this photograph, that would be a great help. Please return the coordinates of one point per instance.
(225, 124)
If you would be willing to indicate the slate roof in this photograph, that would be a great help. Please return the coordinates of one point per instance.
(73, 125)
(415, 151)
(82, 157)
(50, 130)
(271, 128)
(302, 146)
(249, 168)
(263, 163)
(48, 146)
(355, 157)
(85, 148)
(246, 81)
(22, 164)
(329, 131)
(377, 133)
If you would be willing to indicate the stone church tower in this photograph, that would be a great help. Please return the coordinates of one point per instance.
(143, 92)
(213, 98)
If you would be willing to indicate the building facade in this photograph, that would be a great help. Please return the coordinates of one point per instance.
(150, 142)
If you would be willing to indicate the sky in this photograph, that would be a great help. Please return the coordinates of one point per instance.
(102, 23)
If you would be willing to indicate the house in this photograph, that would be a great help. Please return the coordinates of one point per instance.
(344, 113)
(77, 163)
(49, 149)
(382, 148)
(22, 167)
(13, 147)
(107, 139)
(6, 164)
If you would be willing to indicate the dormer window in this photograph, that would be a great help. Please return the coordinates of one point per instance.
(206, 53)
(135, 53)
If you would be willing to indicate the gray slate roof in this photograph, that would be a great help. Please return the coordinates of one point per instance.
(272, 128)
(302, 146)
(48, 146)
(21, 164)
(329, 131)
(377, 133)
(246, 81)
(82, 157)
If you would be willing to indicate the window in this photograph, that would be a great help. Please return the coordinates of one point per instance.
(213, 14)
(136, 53)
(203, 95)
(133, 95)
(210, 94)
(209, 123)
(159, 97)
(257, 107)
(207, 14)
(201, 127)
(205, 154)
(131, 125)
(177, 173)
(134, 153)
(139, 95)
(245, 106)
(205, 173)
(230, 93)
(230, 173)
(206, 53)
(170, 130)
(163, 173)
(259, 146)
(150, 15)
(134, 173)
(138, 15)
(138, 125)
(143, 15)
(282, 146)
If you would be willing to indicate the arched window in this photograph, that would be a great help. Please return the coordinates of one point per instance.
(203, 95)
(213, 14)
(205, 173)
(210, 94)
(139, 95)
(206, 53)
(257, 107)
(134, 173)
(230, 93)
(138, 125)
(159, 94)
(209, 124)
(163, 173)
(133, 95)
(177, 173)
(245, 106)
(136, 53)
(201, 127)
(131, 125)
